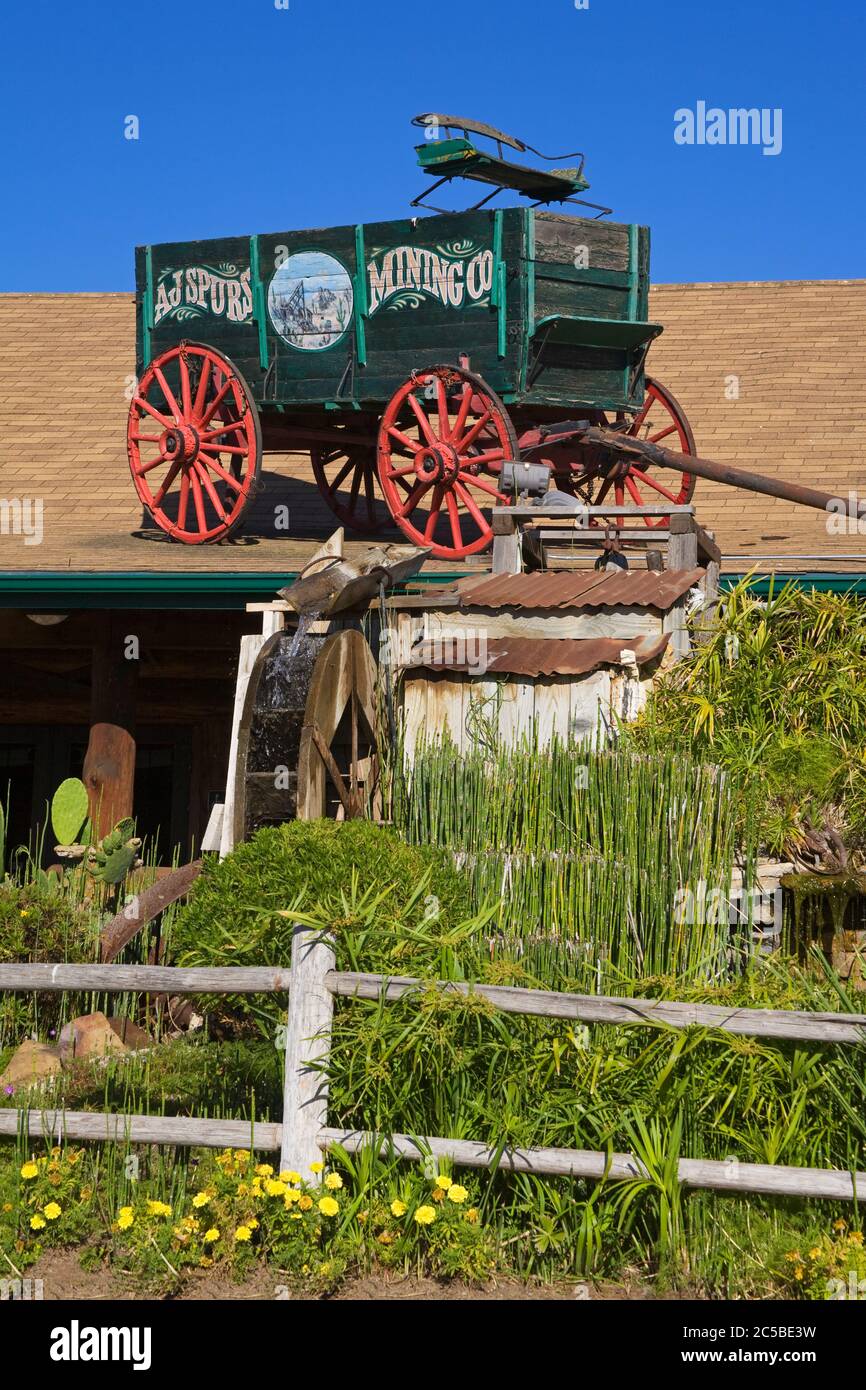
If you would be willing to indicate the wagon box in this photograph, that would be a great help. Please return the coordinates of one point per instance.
(411, 358)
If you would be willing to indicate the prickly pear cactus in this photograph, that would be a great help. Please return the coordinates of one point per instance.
(111, 860)
(69, 810)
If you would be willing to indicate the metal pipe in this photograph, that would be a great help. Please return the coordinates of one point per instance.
(705, 468)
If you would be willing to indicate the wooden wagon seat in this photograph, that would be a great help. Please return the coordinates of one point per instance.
(574, 331)
(459, 158)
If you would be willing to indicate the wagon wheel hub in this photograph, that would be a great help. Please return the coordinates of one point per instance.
(440, 463)
(181, 444)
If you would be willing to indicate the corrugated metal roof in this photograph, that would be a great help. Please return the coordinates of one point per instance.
(529, 656)
(579, 589)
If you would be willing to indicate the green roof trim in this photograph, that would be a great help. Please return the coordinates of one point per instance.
(68, 589)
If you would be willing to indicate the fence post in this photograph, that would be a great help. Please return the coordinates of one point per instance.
(308, 1040)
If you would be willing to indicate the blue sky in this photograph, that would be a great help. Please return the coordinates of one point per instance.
(256, 119)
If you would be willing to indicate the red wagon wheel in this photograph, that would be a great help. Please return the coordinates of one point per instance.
(660, 420)
(442, 442)
(194, 443)
(346, 478)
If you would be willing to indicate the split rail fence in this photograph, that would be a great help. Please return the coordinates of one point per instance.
(312, 984)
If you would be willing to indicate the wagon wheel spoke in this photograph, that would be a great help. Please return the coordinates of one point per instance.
(473, 481)
(346, 479)
(471, 505)
(196, 382)
(422, 418)
(651, 482)
(414, 498)
(468, 439)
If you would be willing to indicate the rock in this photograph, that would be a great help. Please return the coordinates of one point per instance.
(130, 1033)
(89, 1035)
(31, 1062)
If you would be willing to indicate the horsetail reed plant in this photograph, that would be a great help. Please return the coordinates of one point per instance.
(592, 855)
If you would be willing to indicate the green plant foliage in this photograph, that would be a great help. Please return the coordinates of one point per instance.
(69, 810)
(776, 693)
(237, 911)
(111, 860)
(586, 852)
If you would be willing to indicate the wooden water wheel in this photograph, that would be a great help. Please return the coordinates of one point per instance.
(307, 739)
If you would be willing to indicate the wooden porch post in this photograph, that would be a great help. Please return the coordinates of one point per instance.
(109, 764)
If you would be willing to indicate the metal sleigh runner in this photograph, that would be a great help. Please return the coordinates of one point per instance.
(427, 364)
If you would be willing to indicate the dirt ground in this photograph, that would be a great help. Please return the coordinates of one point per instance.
(63, 1278)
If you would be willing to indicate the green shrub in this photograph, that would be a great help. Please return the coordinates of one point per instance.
(236, 911)
(41, 924)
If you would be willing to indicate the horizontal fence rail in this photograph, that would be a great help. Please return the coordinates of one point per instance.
(304, 1132)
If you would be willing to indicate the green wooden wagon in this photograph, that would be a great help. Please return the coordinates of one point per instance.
(412, 358)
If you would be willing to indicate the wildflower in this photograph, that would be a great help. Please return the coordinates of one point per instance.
(274, 1188)
(398, 1208)
(815, 1252)
(159, 1208)
(328, 1207)
(840, 1225)
(86, 1194)
(36, 1223)
(211, 1235)
(472, 1215)
(205, 1261)
(855, 1238)
(29, 1170)
(243, 1189)
(425, 1215)
(385, 1237)
(243, 1233)
(442, 1180)
(7, 1206)
(242, 1155)
(201, 1199)
(317, 1167)
(438, 1194)
(334, 1182)
(288, 1175)
(799, 1272)
(295, 1216)
(9, 1090)
(52, 1211)
(125, 1218)
(264, 1170)
(252, 1223)
(305, 1202)
(291, 1195)
(73, 1157)
(456, 1193)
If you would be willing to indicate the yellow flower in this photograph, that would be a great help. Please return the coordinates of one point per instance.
(456, 1193)
(840, 1225)
(211, 1235)
(265, 1170)
(472, 1215)
(317, 1167)
(125, 1218)
(7, 1206)
(36, 1223)
(425, 1215)
(442, 1180)
(243, 1189)
(74, 1157)
(252, 1223)
(243, 1233)
(855, 1238)
(398, 1208)
(334, 1182)
(799, 1272)
(159, 1209)
(438, 1194)
(288, 1175)
(205, 1261)
(291, 1195)
(305, 1202)
(242, 1156)
(385, 1237)
(274, 1188)
(328, 1207)
(86, 1194)
(52, 1211)
(201, 1199)
(295, 1216)
(29, 1171)
(815, 1252)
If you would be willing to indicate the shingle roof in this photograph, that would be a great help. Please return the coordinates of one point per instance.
(794, 348)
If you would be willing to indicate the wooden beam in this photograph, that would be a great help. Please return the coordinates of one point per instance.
(728, 1175)
(595, 1008)
(231, 979)
(109, 763)
(180, 1130)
